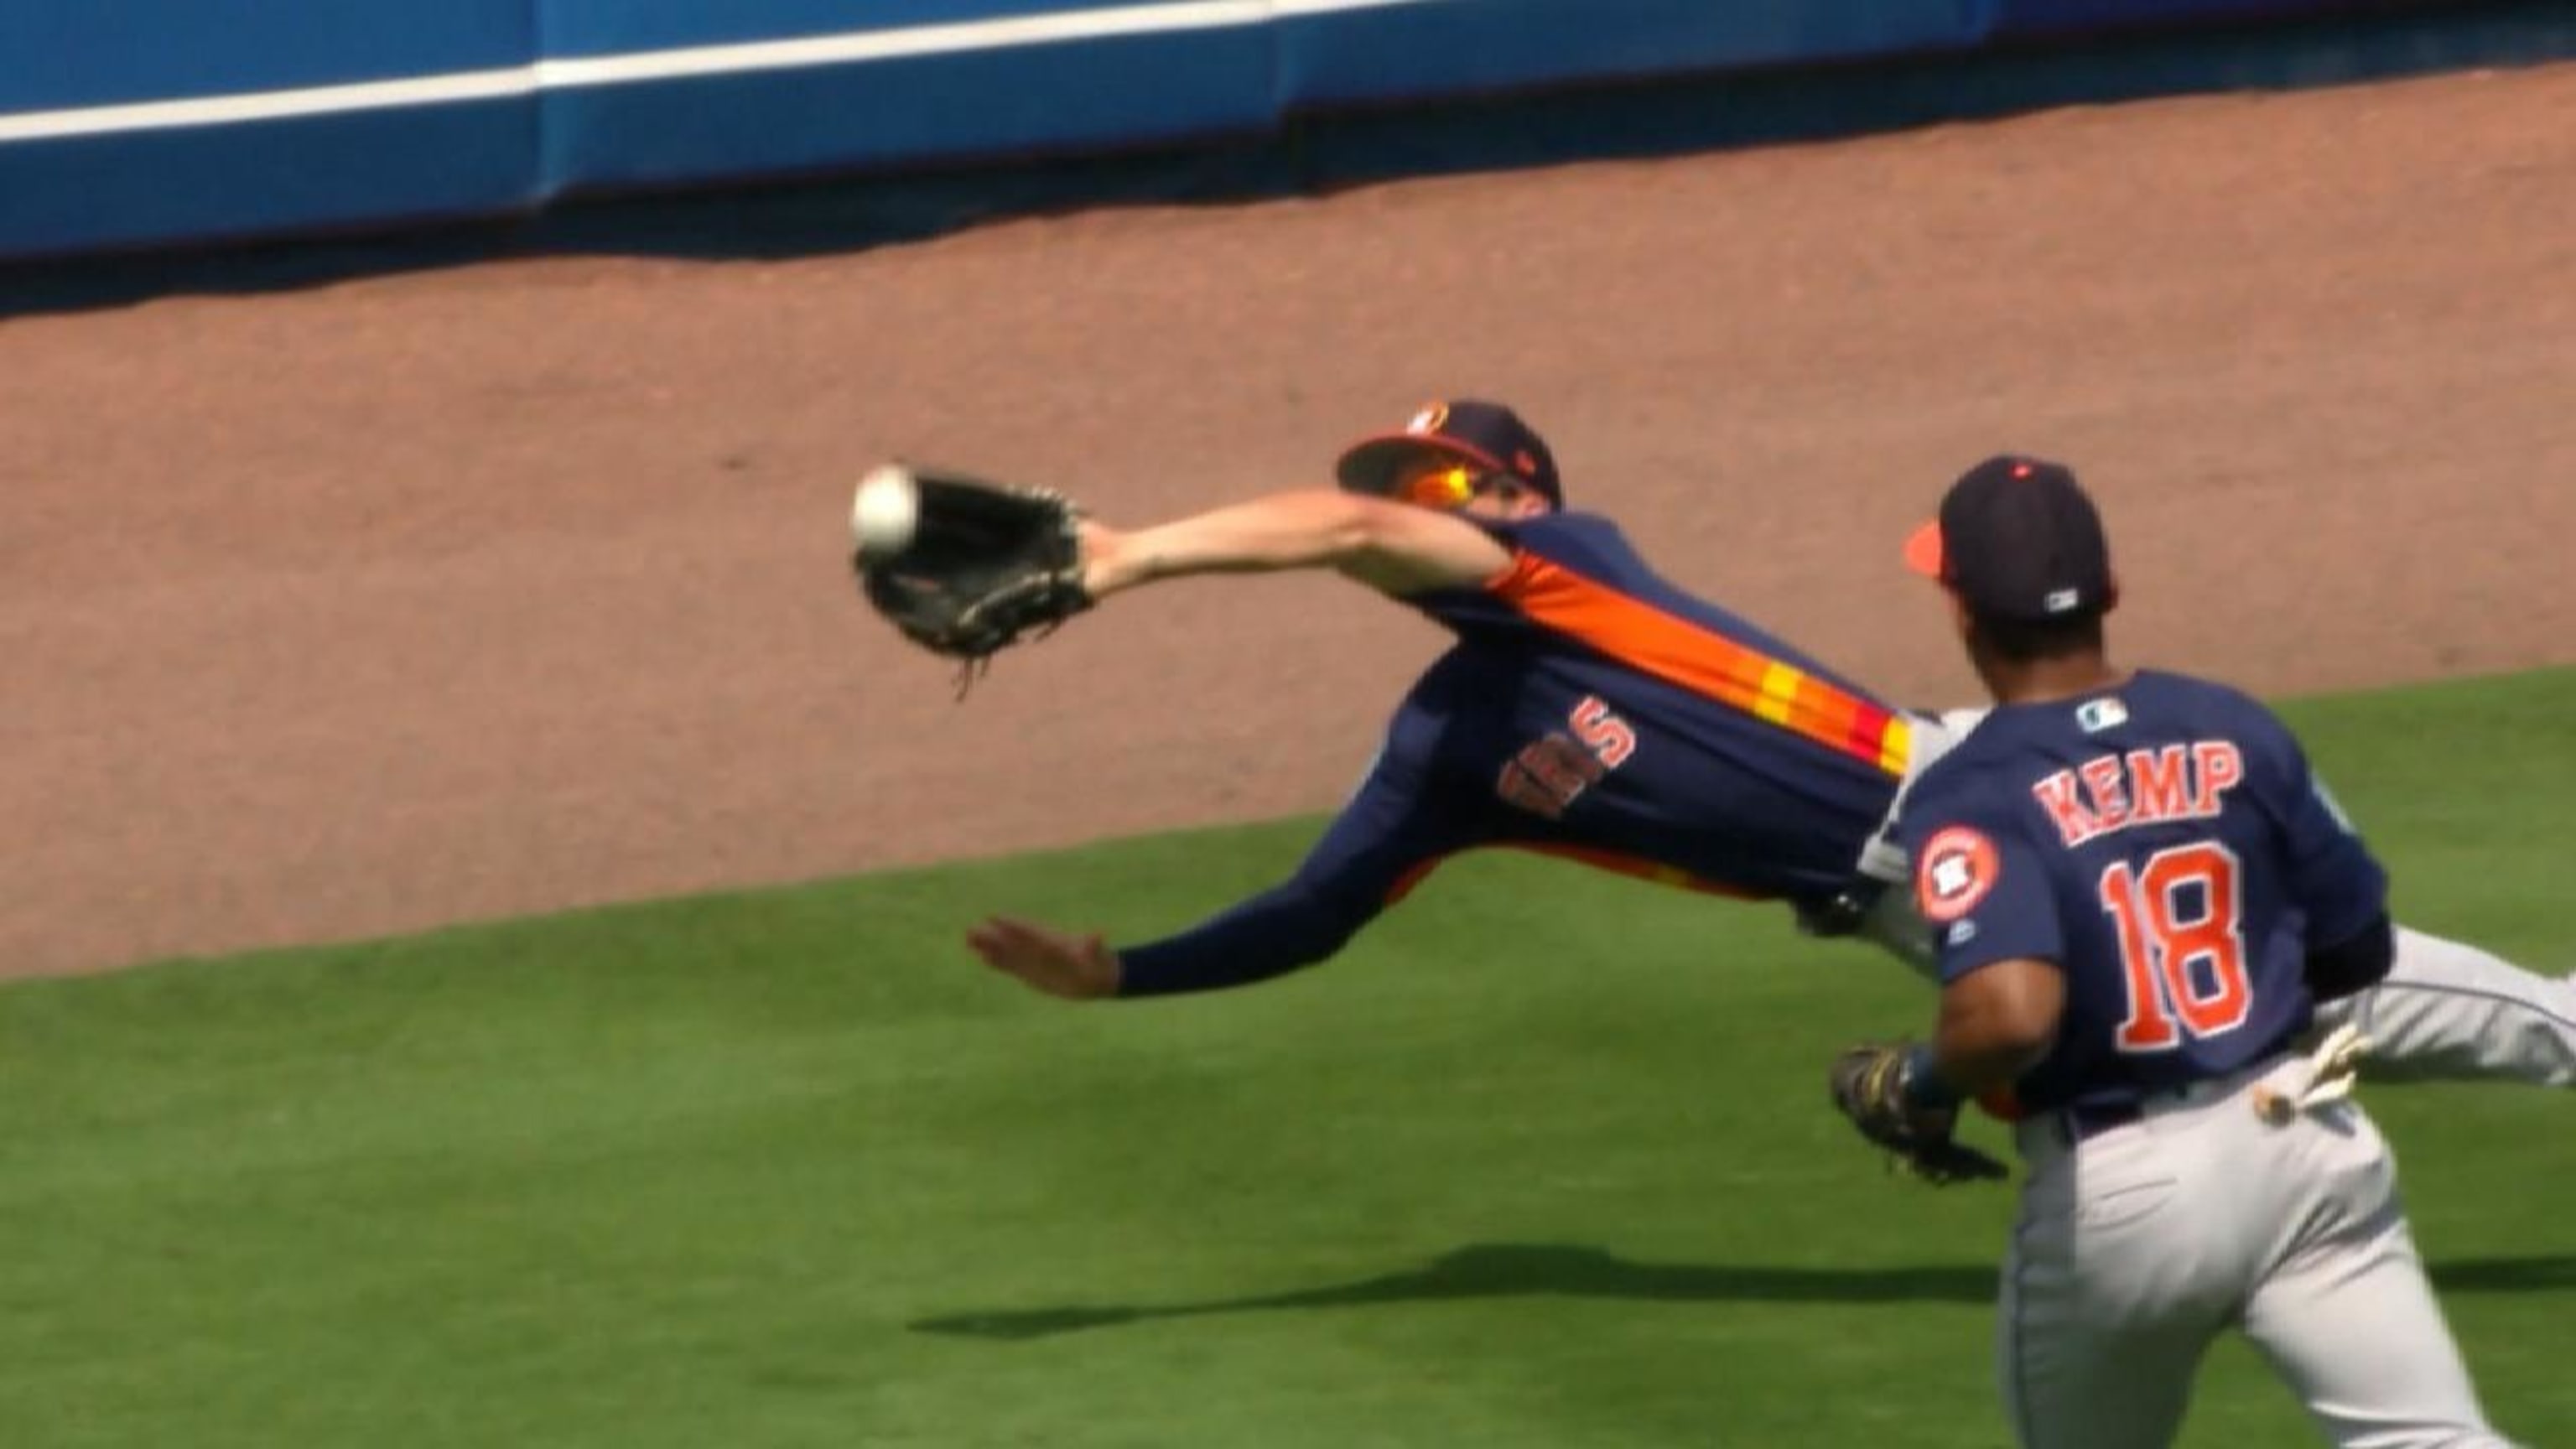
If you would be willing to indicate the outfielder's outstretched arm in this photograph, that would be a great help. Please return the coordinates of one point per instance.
(1393, 547)
(1382, 841)
(1291, 925)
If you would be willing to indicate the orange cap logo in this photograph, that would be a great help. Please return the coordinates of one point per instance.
(1429, 419)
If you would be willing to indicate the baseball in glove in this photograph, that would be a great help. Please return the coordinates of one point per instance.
(1869, 1085)
(965, 567)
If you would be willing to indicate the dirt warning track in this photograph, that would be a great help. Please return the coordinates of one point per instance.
(487, 590)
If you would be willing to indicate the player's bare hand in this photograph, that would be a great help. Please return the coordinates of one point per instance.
(1060, 963)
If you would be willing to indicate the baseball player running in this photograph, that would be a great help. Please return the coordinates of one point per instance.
(1592, 711)
(2139, 892)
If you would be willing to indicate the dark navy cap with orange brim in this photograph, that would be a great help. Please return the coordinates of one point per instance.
(1487, 435)
(2018, 538)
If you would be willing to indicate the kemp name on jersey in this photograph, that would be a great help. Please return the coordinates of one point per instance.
(2141, 787)
(2165, 845)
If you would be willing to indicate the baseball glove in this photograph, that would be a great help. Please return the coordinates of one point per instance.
(986, 566)
(1868, 1083)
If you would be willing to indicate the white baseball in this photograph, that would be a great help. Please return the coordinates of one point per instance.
(885, 511)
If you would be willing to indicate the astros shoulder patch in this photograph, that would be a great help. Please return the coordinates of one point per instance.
(1957, 868)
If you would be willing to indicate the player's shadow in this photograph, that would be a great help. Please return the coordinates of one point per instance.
(1528, 1270)
(1523, 1270)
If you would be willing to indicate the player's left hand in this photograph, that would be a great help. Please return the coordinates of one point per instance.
(1868, 1082)
(1060, 963)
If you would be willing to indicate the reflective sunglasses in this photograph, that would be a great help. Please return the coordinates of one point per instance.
(1438, 483)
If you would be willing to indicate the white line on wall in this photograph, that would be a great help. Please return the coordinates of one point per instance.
(653, 65)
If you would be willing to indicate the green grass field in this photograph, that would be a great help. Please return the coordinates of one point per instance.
(1543, 1161)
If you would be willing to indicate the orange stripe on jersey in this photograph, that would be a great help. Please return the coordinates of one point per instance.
(1704, 662)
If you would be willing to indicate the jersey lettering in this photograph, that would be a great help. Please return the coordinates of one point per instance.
(2182, 947)
(1550, 772)
(2160, 784)
(1561, 765)
(1605, 734)
(2219, 768)
(2112, 792)
(2106, 780)
(1547, 775)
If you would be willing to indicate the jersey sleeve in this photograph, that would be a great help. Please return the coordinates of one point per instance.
(1576, 541)
(1393, 829)
(2333, 878)
(1981, 886)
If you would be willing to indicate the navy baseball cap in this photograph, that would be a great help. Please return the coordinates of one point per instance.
(1486, 434)
(2018, 539)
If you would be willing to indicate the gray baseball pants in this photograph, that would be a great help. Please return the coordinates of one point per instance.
(2138, 1246)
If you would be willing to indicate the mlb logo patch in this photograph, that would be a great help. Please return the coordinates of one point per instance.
(2097, 715)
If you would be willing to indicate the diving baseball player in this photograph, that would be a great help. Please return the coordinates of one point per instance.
(2139, 892)
(1592, 711)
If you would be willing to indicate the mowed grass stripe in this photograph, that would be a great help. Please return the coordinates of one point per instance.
(1543, 1160)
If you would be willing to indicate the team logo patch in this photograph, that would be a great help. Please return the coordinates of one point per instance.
(1429, 419)
(1959, 866)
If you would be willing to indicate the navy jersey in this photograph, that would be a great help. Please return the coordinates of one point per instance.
(2165, 845)
(1588, 709)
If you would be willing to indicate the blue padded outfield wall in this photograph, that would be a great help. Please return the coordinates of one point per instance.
(2051, 17)
(138, 123)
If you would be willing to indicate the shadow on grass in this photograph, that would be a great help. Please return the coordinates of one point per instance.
(1526, 1270)
(1523, 1270)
